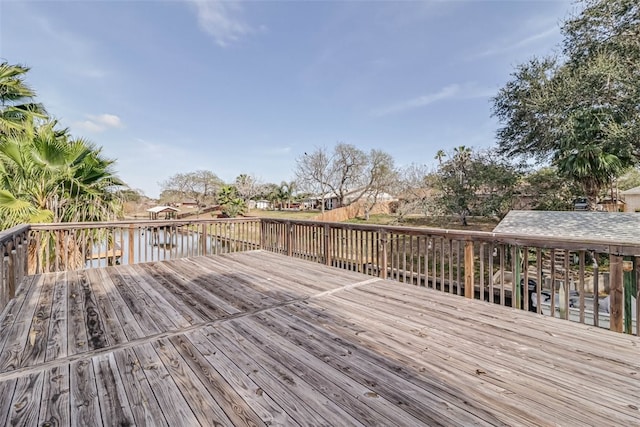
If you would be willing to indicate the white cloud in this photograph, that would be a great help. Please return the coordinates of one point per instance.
(452, 91)
(99, 123)
(222, 20)
(510, 46)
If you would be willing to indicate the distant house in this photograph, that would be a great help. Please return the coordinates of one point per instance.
(632, 199)
(332, 201)
(188, 203)
(261, 204)
(163, 212)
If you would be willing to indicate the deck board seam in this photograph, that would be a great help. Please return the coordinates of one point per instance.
(168, 334)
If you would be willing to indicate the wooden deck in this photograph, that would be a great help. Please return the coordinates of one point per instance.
(256, 338)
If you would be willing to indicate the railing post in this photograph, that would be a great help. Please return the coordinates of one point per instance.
(469, 271)
(131, 244)
(25, 262)
(615, 295)
(288, 238)
(383, 243)
(11, 271)
(327, 245)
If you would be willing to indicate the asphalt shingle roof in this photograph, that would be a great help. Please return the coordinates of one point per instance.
(621, 227)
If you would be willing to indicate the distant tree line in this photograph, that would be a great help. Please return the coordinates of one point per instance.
(569, 128)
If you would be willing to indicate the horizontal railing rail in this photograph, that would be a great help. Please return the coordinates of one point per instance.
(592, 281)
(72, 246)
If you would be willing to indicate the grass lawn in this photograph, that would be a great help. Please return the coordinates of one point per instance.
(284, 214)
(475, 223)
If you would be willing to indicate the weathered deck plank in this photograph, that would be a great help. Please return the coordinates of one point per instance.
(55, 409)
(259, 401)
(18, 332)
(261, 339)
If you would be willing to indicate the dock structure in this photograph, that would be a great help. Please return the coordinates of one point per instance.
(258, 338)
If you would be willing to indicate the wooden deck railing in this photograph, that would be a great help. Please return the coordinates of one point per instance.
(72, 246)
(566, 278)
(14, 246)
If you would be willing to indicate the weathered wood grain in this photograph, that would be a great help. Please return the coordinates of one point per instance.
(77, 329)
(368, 407)
(161, 305)
(16, 336)
(257, 398)
(58, 329)
(262, 339)
(238, 412)
(26, 400)
(7, 388)
(277, 384)
(110, 306)
(35, 346)
(55, 409)
(174, 406)
(144, 406)
(138, 317)
(114, 405)
(84, 399)
(204, 407)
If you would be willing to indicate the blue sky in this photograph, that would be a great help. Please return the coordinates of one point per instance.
(247, 87)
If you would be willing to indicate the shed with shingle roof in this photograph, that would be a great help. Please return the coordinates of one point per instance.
(621, 227)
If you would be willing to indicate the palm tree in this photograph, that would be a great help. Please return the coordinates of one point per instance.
(52, 177)
(591, 167)
(590, 157)
(286, 191)
(16, 106)
(47, 176)
(440, 155)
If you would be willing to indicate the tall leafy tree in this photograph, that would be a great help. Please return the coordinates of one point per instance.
(579, 110)
(232, 204)
(544, 189)
(202, 186)
(480, 183)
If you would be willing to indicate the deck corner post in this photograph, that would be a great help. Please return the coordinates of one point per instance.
(469, 285)
(615, 296)
(131, 247)
(327, 244)
(383, 244)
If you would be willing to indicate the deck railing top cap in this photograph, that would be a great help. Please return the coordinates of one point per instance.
(10, 233)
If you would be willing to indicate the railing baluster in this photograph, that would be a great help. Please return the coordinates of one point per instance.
(492, 250)
(481, 258)
(553, 282)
